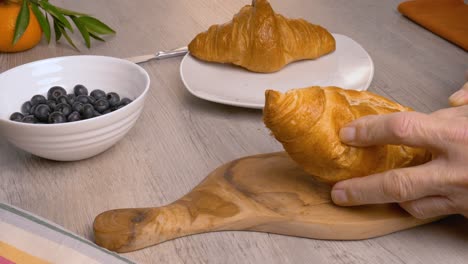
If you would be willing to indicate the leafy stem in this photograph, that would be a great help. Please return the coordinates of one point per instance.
(88, 26)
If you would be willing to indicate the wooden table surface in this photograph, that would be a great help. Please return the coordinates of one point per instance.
(180, 138)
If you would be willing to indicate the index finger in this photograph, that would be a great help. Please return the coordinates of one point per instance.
(407, 128)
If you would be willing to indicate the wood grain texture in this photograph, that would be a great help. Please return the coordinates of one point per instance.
(266, 193)
(180, 139)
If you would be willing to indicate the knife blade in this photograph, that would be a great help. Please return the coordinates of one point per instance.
(159, 55)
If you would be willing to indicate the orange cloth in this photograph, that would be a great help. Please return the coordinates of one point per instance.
(446, 18)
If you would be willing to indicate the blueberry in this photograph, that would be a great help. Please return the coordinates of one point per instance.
(38, 99)
(92, 100)
(16, 117)
(74, 116)
(26, 108)
(117, 107)
(71, 98)
(31, 111)
(80, 90)
(52, 104)
(57, 117)
(78, 107)
(98, 94)
(82, 99)
(106, 111)
(63, 99)
(55, 92)
(29, 119)
(65, 109)
(113, 98)
(41, 112)
(96, 113)
(101, 105)
(125, 101)
(88, 111)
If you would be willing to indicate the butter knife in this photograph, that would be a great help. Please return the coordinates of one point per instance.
(159, 55)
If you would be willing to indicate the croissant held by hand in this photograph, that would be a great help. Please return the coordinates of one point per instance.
(307, 122)
(260, 40)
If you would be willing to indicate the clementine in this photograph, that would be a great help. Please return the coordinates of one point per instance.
(31, 37)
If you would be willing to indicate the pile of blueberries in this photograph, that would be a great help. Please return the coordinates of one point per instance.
(60, 107)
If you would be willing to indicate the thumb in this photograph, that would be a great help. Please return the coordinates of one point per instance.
(399, 185)
(460, 97)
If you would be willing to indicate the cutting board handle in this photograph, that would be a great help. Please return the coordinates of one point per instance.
(201, 210)
(117, 229)
(139, 227)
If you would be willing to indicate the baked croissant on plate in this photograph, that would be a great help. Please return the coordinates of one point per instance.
(260, 40)
(307, 122)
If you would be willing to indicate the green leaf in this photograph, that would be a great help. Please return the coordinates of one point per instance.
(69, 40)
(43, 21)
(48, 25)
(22, 21)
(68, 12)
(56, 13)
(84, 32)
(96, 37)
(58, 32)
(96, 26)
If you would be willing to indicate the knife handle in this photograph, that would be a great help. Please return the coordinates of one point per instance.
(171, 53)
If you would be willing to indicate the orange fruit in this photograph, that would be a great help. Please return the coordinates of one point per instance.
(8, 14)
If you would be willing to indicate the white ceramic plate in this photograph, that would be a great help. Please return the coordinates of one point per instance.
(349, 67)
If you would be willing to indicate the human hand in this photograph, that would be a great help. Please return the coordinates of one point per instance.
(439, 187)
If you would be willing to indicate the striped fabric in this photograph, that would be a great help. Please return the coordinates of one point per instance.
(29, 239)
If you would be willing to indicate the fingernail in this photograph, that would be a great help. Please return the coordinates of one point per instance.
(339, 196)
(458, 97)
(348, 134)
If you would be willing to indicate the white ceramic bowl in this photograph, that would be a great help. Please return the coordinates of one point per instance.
(76, 140)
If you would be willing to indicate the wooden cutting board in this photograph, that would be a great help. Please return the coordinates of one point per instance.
(265, 193)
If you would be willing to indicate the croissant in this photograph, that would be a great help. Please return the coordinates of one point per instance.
(307, 122)
(260, 40)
